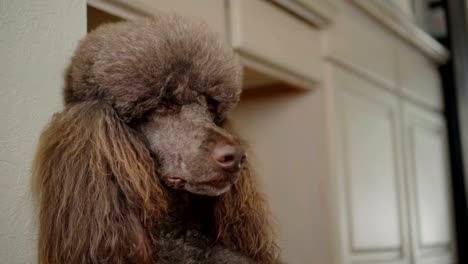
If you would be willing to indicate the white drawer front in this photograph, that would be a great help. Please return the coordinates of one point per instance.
(264, 32)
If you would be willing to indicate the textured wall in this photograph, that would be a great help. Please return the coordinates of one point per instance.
(36, 41)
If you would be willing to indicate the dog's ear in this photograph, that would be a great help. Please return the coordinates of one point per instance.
(98, 192)
(242, 218)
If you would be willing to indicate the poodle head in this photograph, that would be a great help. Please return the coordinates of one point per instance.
(173, 82)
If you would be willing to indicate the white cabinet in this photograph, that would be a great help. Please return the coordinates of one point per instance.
(428, 185)
(388, 160)
(391, 176)
(369, 178)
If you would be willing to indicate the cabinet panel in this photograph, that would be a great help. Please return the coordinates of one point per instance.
(369, 172)
(431, 193)
(265, 33)
(428, 181)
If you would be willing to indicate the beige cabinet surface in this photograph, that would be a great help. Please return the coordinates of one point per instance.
(428, 185)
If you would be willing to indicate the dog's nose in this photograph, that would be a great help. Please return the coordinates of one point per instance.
(228, 157)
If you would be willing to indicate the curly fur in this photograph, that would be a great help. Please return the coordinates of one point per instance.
(99, 176)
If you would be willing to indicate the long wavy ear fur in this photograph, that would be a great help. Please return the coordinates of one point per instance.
(98, 192)
(242, 218)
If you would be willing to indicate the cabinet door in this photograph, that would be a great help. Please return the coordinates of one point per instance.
(371, 207)
(428, 185)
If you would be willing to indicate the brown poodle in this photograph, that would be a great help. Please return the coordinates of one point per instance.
(140, 166)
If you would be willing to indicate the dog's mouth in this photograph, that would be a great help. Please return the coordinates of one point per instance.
(216, 183)
(175, 181)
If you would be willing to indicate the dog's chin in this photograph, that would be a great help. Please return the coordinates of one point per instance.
(207, 189)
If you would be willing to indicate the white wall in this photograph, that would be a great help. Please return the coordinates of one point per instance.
(36, 41)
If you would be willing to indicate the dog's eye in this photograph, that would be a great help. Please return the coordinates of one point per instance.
(219, 121)
(212, 106)
(165, 108)
(212, 109)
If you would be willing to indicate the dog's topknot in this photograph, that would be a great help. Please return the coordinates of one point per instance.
(133, 65)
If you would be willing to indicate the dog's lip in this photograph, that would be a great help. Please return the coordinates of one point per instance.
(218, 181)
(175, 180)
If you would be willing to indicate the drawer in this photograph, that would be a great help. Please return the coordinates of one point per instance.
(265, 33)
(211, 11)
(419, 78)
(359, 43)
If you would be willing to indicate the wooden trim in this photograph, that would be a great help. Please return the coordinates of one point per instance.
(280, 74)
(318, 13)
(402, 25)
(421, 101)
(363, 72)
(120, 8)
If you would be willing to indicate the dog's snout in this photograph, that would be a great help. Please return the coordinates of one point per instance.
(229, 157)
